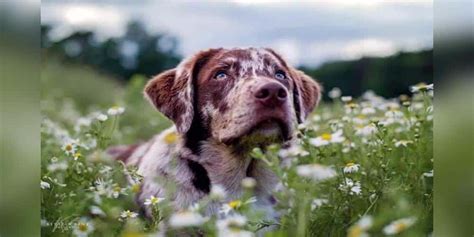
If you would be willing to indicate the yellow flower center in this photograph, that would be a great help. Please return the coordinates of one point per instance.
(235, 204)
(82, 227)
(354, 231)
(361, 116)
(68, 147)
(326, 136)
(400, 227)
(352, 105)
(171, 138)
(350, 164)
(117, 189)
(77, 155)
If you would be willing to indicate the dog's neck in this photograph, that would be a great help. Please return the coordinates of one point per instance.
(227, 167)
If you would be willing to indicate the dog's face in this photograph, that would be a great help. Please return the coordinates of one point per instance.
(235, 94)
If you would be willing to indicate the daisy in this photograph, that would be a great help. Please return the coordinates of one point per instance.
(102, 117)
(57, 166)
(368, 110)
(69, 147)
(83, 228)
(77, 155)
(421, 87)
(186, 219)
(294, 150)
(404, 143)
(153, 201)
(335, 93)
(317, 203)
(232, 227)
(217, 192)
(235, 204)
(327, 138)
(346, 99)
(115, 110)
(95, 210)
(45, 185)
(128, 214)
(428, 174)
(360, 227)
(351, 168)
(316, 172)
(366, 130)
(351, 187)
(399, 225)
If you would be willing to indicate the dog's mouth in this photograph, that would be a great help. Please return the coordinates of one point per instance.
(265, 131)
(269, 127)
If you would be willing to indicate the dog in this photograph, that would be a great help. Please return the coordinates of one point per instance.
(223, 103)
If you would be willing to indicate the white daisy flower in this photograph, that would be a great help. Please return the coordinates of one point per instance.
(235, 204)
(316, 172)
(57, 166)
(428, 174)
(346, 99)
(366, 130)
(232, 225)
(368, 110)
(294, 150)
(335, 93)
(102, 117)
(421, 87)
(359, 229)
(83, 228)
(404, 143)
(70, 147)
(153, 201)
(327, 138)
(217, 192)
(115, 110)
(351, 168)
(318, 202)
(95, 210)
(45, 185)
(186, 219)
(351, 187)
(399, 225)
(128, 214)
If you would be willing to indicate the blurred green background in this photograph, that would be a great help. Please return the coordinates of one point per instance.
(387, 76)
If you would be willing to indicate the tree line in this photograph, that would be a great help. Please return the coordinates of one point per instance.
(141, 52)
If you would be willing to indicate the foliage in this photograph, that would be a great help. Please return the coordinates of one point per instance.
(388, 76)
(140, 52)
(359, 167)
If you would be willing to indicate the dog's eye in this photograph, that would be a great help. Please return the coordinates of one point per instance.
(220, 75)
(280, 75)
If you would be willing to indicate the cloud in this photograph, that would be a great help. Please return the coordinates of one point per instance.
(309, 32)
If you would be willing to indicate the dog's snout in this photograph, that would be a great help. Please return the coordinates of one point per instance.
(271, 94)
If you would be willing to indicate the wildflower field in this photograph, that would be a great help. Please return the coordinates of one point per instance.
(361, 166)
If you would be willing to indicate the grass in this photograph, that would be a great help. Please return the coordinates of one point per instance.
(387, 144)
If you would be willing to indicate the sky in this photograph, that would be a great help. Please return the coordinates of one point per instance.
(305, 32)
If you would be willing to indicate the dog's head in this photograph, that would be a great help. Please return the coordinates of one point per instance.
(231, 94)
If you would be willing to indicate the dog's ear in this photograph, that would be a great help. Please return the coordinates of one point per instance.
(306, 94)
(172, 92)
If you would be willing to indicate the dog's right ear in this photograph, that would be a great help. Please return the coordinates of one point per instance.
(172, 91)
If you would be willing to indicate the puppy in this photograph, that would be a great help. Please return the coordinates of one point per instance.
(223, 102)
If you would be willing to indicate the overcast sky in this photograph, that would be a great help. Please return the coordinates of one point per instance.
(306, 33)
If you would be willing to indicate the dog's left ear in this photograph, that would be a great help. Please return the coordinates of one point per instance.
(172, 91)
(306, 94)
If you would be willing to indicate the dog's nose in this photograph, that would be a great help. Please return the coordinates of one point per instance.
(271, 94)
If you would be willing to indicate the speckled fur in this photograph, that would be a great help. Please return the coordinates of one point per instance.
(219, 113)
